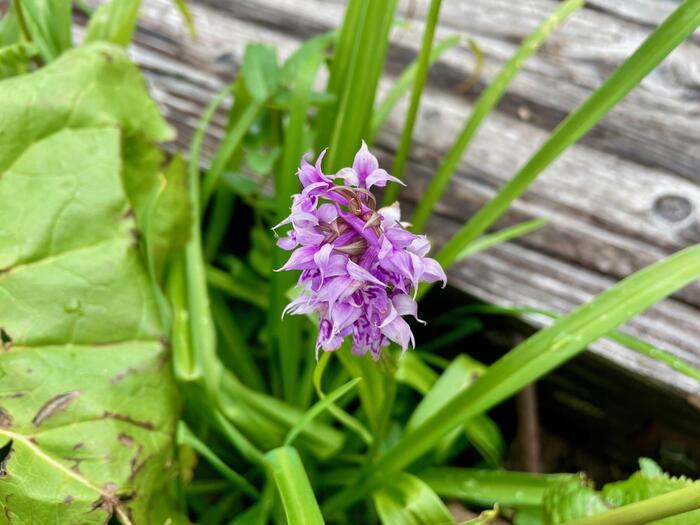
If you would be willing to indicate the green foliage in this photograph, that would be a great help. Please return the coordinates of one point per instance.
(47, 24)
(406, 500)
(79, 353)
(114, 21)
(135, 256)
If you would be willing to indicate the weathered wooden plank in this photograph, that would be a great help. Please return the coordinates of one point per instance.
(611, 212)
(656, 124)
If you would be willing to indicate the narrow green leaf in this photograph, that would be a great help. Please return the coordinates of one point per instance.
(288, 347)
(236, 288)
(494, 239)
(186, 437)
(341, 415)
(392, 190)
(360, 77)
(486, 102)
(674, 503)
(653, 50)
(114, 21)
(401, 86)
(318, 408)
(184, 10)
(48, 23)
(491, 487)
(633, 343)
(480, 431)
(268, 419)
(293, 485)
(406, 500)
(535, 357)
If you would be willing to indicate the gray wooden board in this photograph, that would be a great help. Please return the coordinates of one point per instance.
(624, 197)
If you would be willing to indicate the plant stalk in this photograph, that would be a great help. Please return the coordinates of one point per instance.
(652, 509)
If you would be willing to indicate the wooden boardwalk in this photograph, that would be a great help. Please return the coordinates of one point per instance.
(624, 197)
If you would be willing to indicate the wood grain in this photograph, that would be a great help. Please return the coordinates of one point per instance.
(624, 197)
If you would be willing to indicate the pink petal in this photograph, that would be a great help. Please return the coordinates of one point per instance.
(365, 163)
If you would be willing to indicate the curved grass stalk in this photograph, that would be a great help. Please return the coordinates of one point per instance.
(486, 102)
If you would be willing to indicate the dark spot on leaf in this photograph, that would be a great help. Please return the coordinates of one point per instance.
(5, 455)
(30, 370)
(107, 56)
(135, 236)
(135, 465)
(16, 395)
(5, 339)
(121, 375)
(129, 214)
(125, 439)
(53, 405)
(5, 418)
(78, 445)
(68, 500)
(128, 419)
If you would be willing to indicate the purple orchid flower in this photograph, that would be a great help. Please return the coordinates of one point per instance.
(360, 267)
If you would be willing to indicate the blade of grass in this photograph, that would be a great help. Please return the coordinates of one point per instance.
(406, 500)
(195, 311)
(113, 22)
(359, 87)
(318, 408)
(490, 487)
(287, 343)
(392, 191)
(401, 86)
(494, 239)
(648, 55)
(341, 415)
(345, 48)
(658, 354)
(227, 148)
(235, 344)
(649, 510)
(532, 359)
(293, 486)
(224, 282)
(486, 102)
(186, 437)
(321, 439)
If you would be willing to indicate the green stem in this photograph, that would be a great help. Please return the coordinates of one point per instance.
(399, 166)
(22, 22)
(649, 510)
(486, 102)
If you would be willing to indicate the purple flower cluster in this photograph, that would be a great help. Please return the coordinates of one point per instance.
(359, 267)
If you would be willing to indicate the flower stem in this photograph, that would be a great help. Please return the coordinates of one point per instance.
(652, 509)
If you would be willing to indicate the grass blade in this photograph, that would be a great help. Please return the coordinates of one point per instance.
(631, 342)
(534, 358)
(647, 511)
(359, 86)
(402, 84)
(341, 415)
(186, 437)
(490, 487)
(392, 190)
(407, 500)
(653, 50)
(486, 102)
(294, 488)
(494, 239)
(320, 406)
